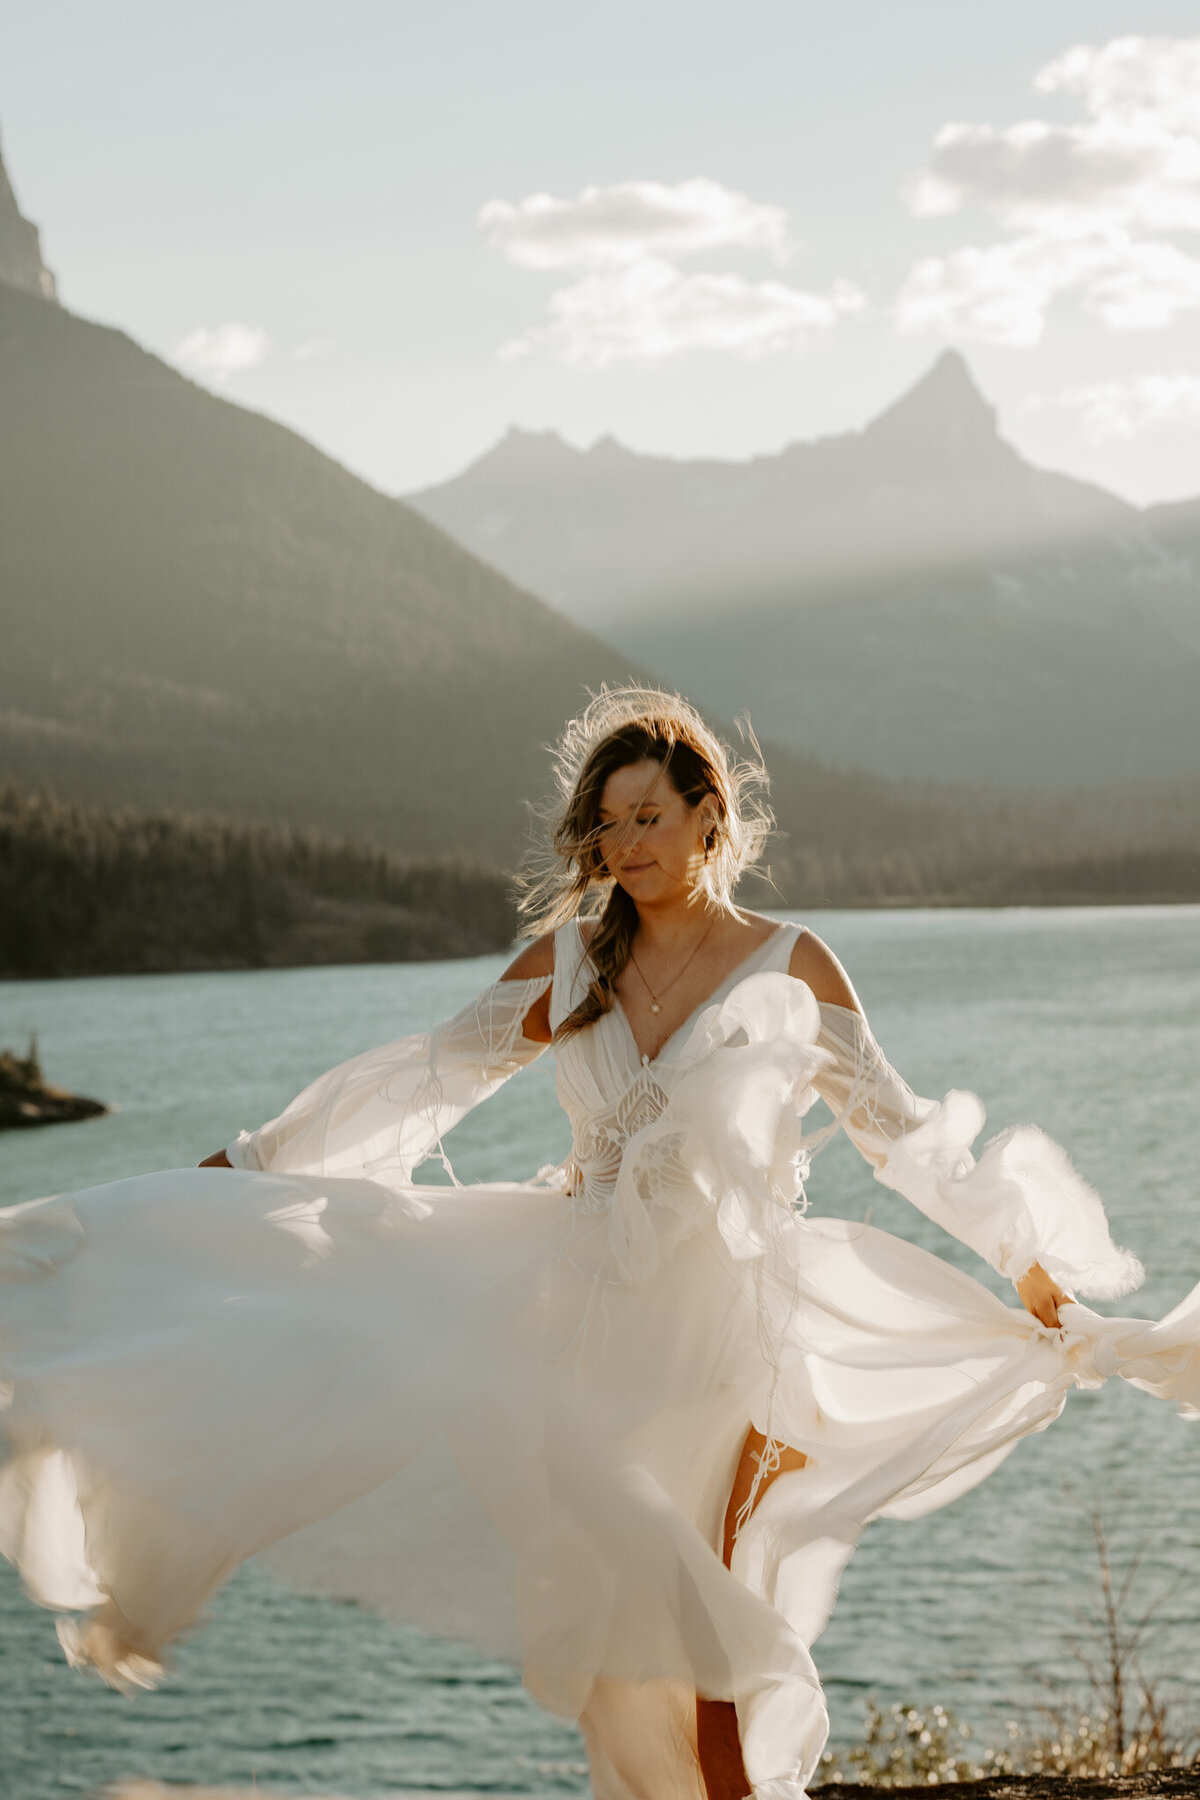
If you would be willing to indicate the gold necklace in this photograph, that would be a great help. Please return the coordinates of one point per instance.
(656, 999)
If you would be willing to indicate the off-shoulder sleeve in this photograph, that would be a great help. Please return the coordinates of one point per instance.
(1020, 1202)
(384, 1112)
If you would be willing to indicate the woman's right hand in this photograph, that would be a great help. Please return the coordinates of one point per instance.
(217, 1161)
(1042, 1296)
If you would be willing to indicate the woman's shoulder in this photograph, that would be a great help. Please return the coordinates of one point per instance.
(537, 958)
(534, 962)
(814, 963)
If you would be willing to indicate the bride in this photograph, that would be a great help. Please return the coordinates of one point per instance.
(676, 1396)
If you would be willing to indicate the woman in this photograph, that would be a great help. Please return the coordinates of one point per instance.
(675, 1397)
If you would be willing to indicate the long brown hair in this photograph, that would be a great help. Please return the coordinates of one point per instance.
(623, 726)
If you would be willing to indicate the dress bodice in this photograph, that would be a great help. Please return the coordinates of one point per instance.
(607, 1088)
(714, 1124)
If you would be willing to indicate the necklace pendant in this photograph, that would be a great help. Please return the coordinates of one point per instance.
(655, 1007)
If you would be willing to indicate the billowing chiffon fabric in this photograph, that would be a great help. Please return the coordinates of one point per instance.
(198, 1364)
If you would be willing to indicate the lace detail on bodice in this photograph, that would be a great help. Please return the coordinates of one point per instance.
(609, 1095)
(600, 1140)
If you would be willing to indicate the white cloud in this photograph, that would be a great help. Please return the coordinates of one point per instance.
(1144, 286)
(223, 352)
(1001, 293)
(1138, 80)
(632, 303)
(314, 349)
(1089, 207)
(1035, 175)
(652, 311)
(972, 293)
(1112, 410)
(627, 223)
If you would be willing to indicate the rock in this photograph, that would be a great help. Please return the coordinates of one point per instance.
(27, 1099)
(21, 262)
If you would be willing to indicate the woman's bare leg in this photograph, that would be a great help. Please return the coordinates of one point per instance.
(717, 1740)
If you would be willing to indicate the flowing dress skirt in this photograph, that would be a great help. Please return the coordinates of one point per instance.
(200, 1364)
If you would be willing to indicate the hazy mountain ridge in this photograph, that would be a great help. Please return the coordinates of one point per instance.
(913, 598)
(1176, 527)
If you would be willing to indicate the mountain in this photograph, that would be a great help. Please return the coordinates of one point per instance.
(21, 262)
(913, 598)
(198, 609)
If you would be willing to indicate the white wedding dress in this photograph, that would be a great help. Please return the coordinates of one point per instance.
(196, 1364)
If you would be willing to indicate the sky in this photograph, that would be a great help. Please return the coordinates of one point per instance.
(706, 231)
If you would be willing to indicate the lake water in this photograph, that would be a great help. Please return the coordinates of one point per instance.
(1085, 1021)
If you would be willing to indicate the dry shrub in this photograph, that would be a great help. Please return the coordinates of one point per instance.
(1122, 1724)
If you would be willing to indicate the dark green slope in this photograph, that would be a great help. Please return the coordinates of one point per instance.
(91, 891)
(198, 608)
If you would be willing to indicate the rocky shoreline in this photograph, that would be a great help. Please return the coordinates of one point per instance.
(1167, 1784)
(1170, 1784)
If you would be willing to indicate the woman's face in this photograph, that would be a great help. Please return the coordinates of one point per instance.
(651, 840)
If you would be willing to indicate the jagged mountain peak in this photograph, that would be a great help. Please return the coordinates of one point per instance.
(519, 435)
(947, 403)
(528, 443)
(610, 449)
(21, 264)
(523, 454)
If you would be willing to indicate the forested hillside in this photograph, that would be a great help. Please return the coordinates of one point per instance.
(85, 892)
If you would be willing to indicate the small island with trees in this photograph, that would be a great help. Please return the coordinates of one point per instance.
(26, 1098)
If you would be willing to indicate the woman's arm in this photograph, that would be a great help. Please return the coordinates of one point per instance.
(385, 1111)
(535, 963)
(885, 1107)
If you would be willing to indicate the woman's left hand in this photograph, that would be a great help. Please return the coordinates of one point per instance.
(1042, 1296)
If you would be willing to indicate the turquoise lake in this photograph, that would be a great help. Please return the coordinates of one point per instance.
(1084, 1021)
